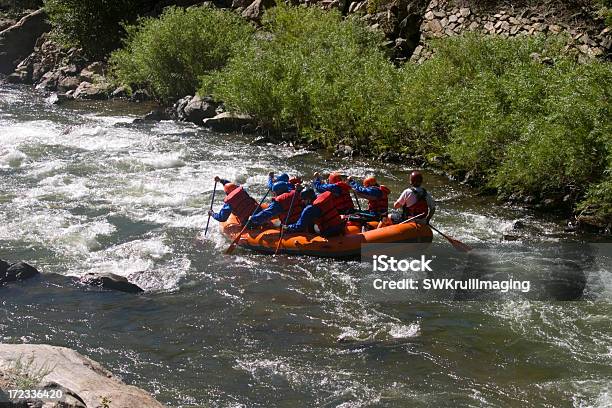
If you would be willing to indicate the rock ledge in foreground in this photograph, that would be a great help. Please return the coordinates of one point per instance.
(110, 281)
(82, 378)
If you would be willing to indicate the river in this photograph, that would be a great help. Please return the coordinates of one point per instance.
(84, 189)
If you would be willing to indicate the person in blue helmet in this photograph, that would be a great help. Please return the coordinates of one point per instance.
(291, 182)
(286, 205)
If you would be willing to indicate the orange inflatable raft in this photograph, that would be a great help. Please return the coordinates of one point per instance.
(343, 246)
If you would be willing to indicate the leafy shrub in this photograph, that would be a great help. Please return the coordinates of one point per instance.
(522, 125)
(94, 25)
(314, 72)
(169, 54)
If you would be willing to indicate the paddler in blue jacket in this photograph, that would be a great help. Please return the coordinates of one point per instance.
(319, 210)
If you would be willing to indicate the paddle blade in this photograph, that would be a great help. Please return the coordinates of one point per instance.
(458, 245)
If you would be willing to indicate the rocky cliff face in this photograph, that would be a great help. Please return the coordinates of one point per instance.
(17, 41)
(444, 18)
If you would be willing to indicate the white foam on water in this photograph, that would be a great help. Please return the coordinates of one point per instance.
(12, 158)
(401, 331)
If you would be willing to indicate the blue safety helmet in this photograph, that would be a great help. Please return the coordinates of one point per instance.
(280, 187)
(283, 177)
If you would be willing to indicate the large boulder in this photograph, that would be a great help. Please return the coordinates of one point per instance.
(199, 109)
(17, 41)
(85, 380)
(16, 272)
(230, 122)
(110, 281)
(87, 90)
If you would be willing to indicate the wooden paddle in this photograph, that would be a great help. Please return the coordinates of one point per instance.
(282, 231)
(458, 245)
(211, 207)
(233, 244)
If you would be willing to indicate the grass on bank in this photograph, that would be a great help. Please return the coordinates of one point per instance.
(516, 121)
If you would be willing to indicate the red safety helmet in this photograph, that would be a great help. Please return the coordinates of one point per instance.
(334, 178)
(229, 187)
(416, 178)
(370, 181)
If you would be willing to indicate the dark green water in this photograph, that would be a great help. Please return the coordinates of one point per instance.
(82, 189)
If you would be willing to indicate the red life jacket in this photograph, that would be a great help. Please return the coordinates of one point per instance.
(285, 201)
(243, 205)
(420, 207)
(344, 202)
(380, 205)
(330, 217)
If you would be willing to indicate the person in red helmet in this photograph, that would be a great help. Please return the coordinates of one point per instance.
(377, 195)
(415, 200)
(237, 201)
(339, 188)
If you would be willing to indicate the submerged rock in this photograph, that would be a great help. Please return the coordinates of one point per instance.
(16, 272)
(86, 382)
(110, 281)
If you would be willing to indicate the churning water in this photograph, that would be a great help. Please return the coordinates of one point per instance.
(84, 189)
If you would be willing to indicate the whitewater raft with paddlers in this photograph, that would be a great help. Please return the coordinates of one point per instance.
(348, 245)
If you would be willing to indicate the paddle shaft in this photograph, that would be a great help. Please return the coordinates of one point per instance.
(211, 207)
(282, 232)
(412, 218)
(357, 199)
(233, 244)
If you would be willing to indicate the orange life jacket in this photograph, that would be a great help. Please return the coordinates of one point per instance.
(242, 204)
(330, 217)
(344, 202)
(285, 201)
(420, 207)
(380, 205)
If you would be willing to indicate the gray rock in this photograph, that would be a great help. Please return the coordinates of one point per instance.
(3, 267)
(17, 41)
(82, 378)
(121, 92)
(256, 9)
(17, 272)
(230, 122)
(140, 95)
(199, 109)
(87, 90)
(110, 281)
(68, 83)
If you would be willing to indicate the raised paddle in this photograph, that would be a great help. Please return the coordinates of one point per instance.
(458, 245)
(211, 207)
(233, 244)
(282, 231)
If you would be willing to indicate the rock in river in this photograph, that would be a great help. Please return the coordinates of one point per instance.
(16, 272)
(110, 281)
(86, 382)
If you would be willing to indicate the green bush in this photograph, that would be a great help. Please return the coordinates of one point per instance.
(169, 54)
(313, 71)
(522, 125)
(94, 25)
